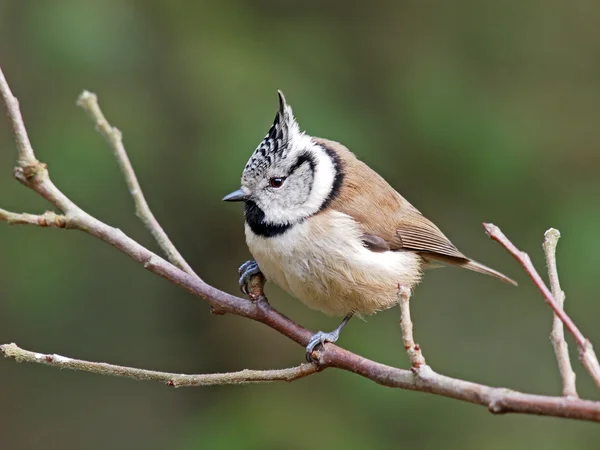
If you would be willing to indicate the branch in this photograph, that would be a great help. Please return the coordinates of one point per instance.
(415, 355)
(48, 219)
(586, 352)
(89, 102)
(170, 379)
(561, 349)
(424, 379)
(34, 175)
(26, 155)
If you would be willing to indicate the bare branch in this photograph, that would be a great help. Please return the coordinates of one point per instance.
(48, 219)
(170, 379)
(89, 102)
(26, 155)
(424, 379)
(557, 336)
(34, 175)
(412, 349)
(586, 352)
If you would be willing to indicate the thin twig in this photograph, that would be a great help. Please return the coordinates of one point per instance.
(89, 102)
(557, 336)
(498, 400)
(171, 379)
(48, 219)
(586, 352)
(26, 155)
(415, 355)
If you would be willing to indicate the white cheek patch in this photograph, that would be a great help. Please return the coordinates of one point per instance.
(323, 179)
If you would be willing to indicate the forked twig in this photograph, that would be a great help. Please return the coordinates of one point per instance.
(586, 352)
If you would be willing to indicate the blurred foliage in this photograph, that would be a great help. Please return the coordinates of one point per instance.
(475, 111)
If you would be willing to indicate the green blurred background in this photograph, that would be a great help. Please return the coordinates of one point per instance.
(475, 111)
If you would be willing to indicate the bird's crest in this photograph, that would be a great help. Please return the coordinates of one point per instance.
(275, 144)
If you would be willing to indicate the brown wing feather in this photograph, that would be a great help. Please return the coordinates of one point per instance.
(382, 211)
(420, 234)
(388, 220)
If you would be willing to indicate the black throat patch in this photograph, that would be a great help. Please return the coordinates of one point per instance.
(255, 218)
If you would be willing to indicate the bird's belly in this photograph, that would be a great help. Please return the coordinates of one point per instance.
(323, 263)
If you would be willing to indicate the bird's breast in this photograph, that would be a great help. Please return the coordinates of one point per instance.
(323, 262)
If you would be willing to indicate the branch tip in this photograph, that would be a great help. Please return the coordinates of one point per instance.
(552, 235)
(86, 97)
(490, 229)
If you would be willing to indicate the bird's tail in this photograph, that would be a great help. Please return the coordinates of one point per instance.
(467, 263)
(478, 267)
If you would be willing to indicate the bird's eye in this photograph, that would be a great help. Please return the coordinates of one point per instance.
(276, 182)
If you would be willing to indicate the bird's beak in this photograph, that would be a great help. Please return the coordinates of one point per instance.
(236, 196)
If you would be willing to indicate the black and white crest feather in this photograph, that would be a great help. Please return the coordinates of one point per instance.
(274, 145)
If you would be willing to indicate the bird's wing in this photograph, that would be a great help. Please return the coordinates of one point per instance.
(416, 232)
(388, 221)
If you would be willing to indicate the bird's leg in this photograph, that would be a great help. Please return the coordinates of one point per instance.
(320, 337)
(247, 271)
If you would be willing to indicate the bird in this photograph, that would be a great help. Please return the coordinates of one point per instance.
(330, 231)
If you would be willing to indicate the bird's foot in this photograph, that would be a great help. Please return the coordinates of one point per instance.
(320, 337)
(247, 271)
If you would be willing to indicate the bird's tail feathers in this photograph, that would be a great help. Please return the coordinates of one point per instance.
(478, 267)
(471, 265)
